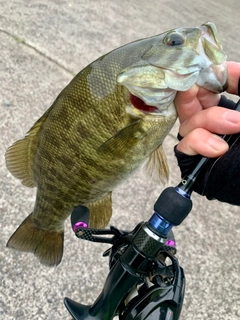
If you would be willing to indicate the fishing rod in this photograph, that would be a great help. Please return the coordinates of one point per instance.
(140, 284)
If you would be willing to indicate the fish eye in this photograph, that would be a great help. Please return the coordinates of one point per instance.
(174, 39)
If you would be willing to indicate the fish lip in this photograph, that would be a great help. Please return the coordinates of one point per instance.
(177, 73)
(209, 34)
(217, 64)
(211, 26)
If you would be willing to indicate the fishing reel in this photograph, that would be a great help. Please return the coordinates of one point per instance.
(145, 280)
(161, 297)
(160, 293)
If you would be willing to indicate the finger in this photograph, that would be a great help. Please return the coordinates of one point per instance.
(187, 103)
(201, 141)
(193, 101)
(233, 77)
(216, 119)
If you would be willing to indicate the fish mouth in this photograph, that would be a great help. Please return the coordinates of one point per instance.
(209, 32)
(210, 48)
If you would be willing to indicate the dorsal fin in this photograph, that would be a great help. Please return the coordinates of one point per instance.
(20, 156)
(156, 165)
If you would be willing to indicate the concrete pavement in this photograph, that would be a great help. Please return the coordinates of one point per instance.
(42, 44)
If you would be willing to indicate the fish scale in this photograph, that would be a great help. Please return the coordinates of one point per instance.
(111, 118)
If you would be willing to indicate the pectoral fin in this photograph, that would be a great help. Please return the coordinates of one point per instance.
(156, 165)
(123, 140)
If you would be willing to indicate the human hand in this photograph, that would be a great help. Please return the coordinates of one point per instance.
(201, 120)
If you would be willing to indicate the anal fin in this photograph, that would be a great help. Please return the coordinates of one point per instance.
(100, 212)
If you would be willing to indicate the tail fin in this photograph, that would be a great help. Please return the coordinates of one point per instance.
(46, 245)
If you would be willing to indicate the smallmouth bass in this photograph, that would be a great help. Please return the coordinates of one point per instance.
(110, 119)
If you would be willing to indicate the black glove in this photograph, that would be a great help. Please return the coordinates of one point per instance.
(220, 177)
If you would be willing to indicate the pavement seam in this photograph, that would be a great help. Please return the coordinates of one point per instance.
(31, 46)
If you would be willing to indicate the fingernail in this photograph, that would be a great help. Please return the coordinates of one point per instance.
(217, 143)
(233, 117)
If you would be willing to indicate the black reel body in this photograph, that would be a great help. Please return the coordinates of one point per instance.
(161, 292)
(154, 292)
(162, 298)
